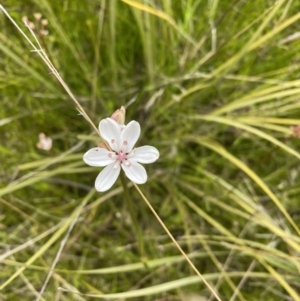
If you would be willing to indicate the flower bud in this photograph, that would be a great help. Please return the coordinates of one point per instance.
(31, 25)
(44, 22)
(25, 19)
(37, 16)
(45, 142)
(103, 145)
(295, 131)
(119, 116)
(44, 32)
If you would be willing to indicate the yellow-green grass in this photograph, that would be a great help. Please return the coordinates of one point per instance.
(215, 86)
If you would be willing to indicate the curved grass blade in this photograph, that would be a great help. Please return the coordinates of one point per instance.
(162, 288)
(213, 145)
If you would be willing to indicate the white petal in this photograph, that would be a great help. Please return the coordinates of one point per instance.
(98, 157)
(129, 136)
(134, 171)
(145, 154)
(110, 131)
(107, 177)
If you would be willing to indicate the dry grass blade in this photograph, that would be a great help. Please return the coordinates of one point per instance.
(51, 241)
(160, 15)
(229, 203)
(167, 286)
(249, 129)
(222, 151)
(176, 244)
(42, 54)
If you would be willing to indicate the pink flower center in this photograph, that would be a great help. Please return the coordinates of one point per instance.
(121, 156)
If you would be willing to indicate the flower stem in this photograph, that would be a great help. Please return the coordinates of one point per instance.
(176, 243)
(135, 224)
(42, 54)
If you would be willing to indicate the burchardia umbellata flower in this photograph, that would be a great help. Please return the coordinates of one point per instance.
(121, 140)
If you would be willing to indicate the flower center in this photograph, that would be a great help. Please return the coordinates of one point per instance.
(121, 156)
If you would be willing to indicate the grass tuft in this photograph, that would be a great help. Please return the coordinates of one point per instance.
(215, 86)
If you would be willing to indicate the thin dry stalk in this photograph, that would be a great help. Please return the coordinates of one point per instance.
(176, 243)
(42, 54)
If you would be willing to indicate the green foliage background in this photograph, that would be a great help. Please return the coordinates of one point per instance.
(214, 85)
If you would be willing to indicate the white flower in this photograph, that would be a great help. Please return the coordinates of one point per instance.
(122, 154)
(45, 142)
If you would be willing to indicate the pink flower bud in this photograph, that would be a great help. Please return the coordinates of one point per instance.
(296, 131)
(103, 145)
(45, 142)
(44, 32)
(44, 22)
(37, 16)
(31, 25)
(25, 19)
(119, 116)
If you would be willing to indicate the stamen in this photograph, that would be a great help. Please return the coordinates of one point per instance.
(116, 165)
(127, 163)
(125, 142)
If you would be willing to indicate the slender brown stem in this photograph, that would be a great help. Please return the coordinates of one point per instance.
(42, 54)
(176, 243)
(134, 220)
